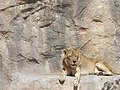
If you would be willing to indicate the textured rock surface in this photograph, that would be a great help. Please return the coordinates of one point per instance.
(33, 33)
(50, 82)
(115, 85)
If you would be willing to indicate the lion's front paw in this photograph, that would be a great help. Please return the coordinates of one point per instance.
(61, 81)
(75, 88)
(76, 84)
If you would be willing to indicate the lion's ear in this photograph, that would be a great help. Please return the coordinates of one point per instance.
(67, 50)
(77, 51)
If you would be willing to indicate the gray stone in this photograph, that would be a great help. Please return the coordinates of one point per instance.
(33, 33)
(51, 82)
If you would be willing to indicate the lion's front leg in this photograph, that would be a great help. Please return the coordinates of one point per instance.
(62, 76)
(77, 78)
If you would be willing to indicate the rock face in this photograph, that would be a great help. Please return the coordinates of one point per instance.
(33, 33)
(115, 85)
(50, 82)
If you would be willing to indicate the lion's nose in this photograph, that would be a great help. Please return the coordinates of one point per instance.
(74, 61)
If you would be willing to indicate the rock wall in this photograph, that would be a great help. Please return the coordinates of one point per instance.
(33, 33)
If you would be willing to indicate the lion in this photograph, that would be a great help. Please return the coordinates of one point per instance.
(74, 63)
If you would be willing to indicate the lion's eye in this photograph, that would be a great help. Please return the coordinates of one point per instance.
(71, 57)
(76, 57)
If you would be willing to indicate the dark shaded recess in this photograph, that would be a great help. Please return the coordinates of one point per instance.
(46, 25)
(3, 9)
(47, 54)
(5, 32)
(32, 11)
(59, 47)
(30, 59)
(34, 60)
(30, 1)
(97, 20)
(28, 9)
(62, 5)
(112, 85)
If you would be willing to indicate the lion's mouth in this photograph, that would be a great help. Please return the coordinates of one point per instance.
(73, 65)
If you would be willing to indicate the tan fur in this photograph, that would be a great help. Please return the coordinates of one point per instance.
(74, 63)
(94, 66)
(70, 66)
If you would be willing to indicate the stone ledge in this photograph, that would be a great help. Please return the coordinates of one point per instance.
(50, 82)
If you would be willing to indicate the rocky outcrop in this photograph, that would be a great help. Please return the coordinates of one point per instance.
(115, 85)
(33, 33)
(51, 82)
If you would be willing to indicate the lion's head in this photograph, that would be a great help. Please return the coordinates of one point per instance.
(72, 57)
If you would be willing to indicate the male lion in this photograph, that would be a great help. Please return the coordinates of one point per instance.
(74, 63)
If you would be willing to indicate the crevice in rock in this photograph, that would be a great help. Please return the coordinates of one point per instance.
(28, 39)
(26, 13)
(62, 5)
(97, 20)
(47, 54)
(59, 47)
(5, 32)
(59, 32)
(81, 11)
(115, 85)
(116, 3)
(46, 25)
(27, 9)
(103, 36)
(83, 29)
(30, 1)
(32, 60)
(11, 6)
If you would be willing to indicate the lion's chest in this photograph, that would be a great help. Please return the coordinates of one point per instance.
(71, 72)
